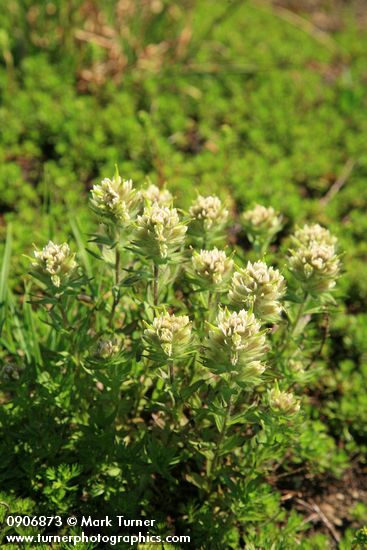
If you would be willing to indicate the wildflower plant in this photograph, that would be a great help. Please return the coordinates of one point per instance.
(58, 132)
(56, 261)
(107, 348)
(211, 269)
(261, 224)
(308, 234)
(169, 365)
(115, 200)
(154, 194)
(260, 288)
(313, 259)
(208, 219)
(159, 232)
(236, 345)
(283, 402)
(169, 336)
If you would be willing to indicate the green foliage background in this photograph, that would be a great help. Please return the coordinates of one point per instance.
(254, 101)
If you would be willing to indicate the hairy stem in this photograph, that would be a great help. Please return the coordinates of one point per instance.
(63, 315)
(171, 373)
(222, 434)
(213, 299)
(116, 297)
(294, 325)
(155, 284)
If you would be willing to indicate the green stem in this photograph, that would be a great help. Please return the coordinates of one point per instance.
(294, 325)
(63, 315)
(176, 399)
(171, 373)
(70, 327)
(210, 298)
(223, 433)
(213, 299)
(205, 244)
(117, 267)
(155, 284)
(263, 249)
(174, 393)
(116, 297)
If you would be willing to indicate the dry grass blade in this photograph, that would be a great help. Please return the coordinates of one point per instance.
(300, 23)
(29, 323)
(4, 275)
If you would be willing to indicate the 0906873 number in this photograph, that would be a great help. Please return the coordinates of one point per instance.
(33, 521)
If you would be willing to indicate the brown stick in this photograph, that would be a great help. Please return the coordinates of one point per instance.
(87, 36)
(313, 507)
(340, 182)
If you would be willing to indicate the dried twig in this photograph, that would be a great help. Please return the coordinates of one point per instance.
(87, 36)
(340, 182)
(314, 508)
(325, 520)
(287, 474)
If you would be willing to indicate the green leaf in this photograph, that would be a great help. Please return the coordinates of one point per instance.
(196, 480)
(187, 392)
(219, 421)
(232, 443)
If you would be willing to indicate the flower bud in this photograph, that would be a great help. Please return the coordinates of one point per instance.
(236, 345)
(211, 267)
(168, 336)
(116, 199)
(154, 194)
(56, 260)
(283, 402)
(296, 366)
(208, 213)
(10, 371)
(159, 232)
(316, 266)
(261, 224)
(107, 348)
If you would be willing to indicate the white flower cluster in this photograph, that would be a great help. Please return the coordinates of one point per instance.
(154, 194)
(238, 328)
(212, 266)
(313, 258)
(116, 199)
(159, 231)
(283, 402)
(56, 260)
(209, 211)
(259, 287)
(261, 222)
(169, 333)
(107, 348)
(236, 342)
(309, 234)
